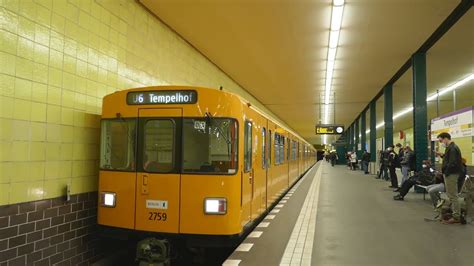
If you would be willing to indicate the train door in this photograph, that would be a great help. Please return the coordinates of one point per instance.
(158, 177)
(247, 173)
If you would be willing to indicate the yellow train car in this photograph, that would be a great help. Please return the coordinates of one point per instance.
(196, 163)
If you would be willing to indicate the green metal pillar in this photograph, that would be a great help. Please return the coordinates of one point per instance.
(388, 115)
(373, 131)
(363, 139)
(420, 110)
(352, 137)
(356, 132)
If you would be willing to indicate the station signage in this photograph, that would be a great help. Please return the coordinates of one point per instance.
(162, 97)
(458, 124)
(329, 129)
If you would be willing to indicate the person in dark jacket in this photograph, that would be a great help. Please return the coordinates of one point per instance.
(401, 153)
(405, 162)
(365, 162)
(383, 165)
(392, 164)
(425, 177)
(451, 169)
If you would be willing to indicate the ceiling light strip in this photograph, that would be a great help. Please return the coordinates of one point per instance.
(335, 29)
(430, 98)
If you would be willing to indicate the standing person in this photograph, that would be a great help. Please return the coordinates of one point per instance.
(365, 162)
(405, 162)
(353, 160)
(334, 158)
(382, 168)
(392, 164)
(451, 169)
(401, 153)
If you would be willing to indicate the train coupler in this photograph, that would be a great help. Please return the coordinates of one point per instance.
(153, 252)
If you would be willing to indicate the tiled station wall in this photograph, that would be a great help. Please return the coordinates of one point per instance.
(58, 58)
(50, 232)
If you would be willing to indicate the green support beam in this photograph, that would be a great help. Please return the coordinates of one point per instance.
(373, 131)
(420, 110)
(388, 115)
(363, 139)
(356, 133)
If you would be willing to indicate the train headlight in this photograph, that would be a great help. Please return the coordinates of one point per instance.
(107, 199)
(215, 206)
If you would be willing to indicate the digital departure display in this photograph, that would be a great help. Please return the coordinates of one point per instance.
(162, 97)
(329, 129)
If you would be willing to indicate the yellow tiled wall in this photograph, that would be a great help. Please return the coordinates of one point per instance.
(58, 58)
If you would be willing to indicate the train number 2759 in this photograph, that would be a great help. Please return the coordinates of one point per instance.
(157, 216)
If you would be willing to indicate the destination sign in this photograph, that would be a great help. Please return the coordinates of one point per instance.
(162, 97)
(329, 129)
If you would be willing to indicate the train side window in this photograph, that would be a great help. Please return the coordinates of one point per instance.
(248, 147)
(269, 148)
(277, 149)
(210, 145)
(282, 149)
(158, 152)
(264, 148)
(117, 150)
(288, 151)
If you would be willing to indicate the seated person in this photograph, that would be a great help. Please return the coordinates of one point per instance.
(424, 177)
(436, 188)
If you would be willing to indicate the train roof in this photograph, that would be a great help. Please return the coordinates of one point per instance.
(244, 101)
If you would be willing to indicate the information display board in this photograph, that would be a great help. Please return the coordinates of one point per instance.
(162, 97)
(329, 129)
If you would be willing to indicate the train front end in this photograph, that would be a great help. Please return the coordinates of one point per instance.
(169, 163)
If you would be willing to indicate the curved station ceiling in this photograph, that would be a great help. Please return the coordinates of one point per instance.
(277, 50)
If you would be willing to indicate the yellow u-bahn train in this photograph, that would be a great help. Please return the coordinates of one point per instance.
(195, 163)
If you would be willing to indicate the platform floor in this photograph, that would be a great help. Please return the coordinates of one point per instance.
(356, 222)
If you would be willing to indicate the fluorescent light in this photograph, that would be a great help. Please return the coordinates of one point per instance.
(430, 98)
(332, 54)
(336, 17)
(333, 38)
(451, 87)
(330, 68)
(406, 111)
(336, 21)
(326, 113)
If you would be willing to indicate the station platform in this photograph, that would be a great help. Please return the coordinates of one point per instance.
(334, 216)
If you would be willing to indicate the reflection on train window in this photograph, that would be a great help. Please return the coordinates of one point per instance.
(288, 152)
(248, 147)
(158, 146)
(210, 145)
(117, 149)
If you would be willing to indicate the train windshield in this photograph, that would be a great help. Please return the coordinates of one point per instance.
(210, 145)
(117, 150)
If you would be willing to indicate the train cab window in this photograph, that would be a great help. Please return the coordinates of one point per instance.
(158, 152)
(264, 148)
(248, 146)
(117, 149)
(210, 145)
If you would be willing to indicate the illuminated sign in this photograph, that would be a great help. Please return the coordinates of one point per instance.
(162, 97)
(329, 129)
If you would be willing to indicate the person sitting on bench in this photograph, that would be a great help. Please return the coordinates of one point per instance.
(424, 177)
